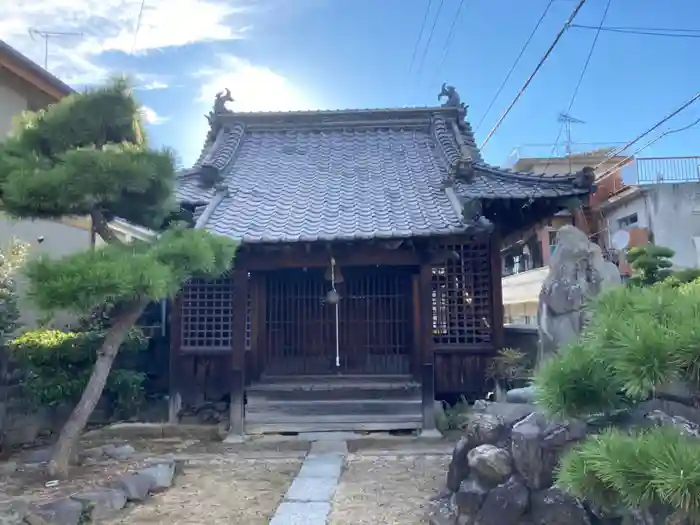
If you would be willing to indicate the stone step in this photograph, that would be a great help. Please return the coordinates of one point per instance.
(288, 410)
(365, 423)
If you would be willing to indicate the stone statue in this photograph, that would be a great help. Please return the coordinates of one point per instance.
(453, 99)
(577, 273)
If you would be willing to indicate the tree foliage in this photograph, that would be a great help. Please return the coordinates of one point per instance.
(56, 367)
(87, 155)
(640, 338)
(652, 264)
(11, 259)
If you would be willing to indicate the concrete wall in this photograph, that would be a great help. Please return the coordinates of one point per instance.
(671, 212)
(59, 239)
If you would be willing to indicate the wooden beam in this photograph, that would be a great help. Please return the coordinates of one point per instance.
(427, 379)
(360, 256)
(240, 285)
(496, 292)
(175, 362)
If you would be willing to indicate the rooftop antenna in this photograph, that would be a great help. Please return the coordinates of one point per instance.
(46, 35)
(566, 120)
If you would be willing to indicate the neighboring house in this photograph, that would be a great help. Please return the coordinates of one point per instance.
(659, 203)
(24, 85)
(525, 258)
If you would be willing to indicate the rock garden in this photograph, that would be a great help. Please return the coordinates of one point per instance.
(608, 432)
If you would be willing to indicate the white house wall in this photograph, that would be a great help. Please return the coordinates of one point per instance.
(11, 103)
(671, 212)
(58, 239)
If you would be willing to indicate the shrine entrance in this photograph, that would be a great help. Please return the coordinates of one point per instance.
(367, 330)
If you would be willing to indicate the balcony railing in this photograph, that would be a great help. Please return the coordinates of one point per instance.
(659, 170)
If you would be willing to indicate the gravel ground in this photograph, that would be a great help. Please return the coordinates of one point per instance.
(391, 490)
(244, 491)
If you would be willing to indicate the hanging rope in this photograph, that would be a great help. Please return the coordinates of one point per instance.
(337, 315)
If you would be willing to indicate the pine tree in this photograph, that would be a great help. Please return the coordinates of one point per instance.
(87, 156)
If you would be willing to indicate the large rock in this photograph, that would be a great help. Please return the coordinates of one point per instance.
(554, 507)
(491, 465)
(577, 273)
(459, 466)
(470, 497)
(536, 445)
(505, 505)
(101, 503)
(59, 512)
(483, 428)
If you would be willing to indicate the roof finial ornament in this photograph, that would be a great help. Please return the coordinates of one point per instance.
(219, 109)
(453, 100)
(220, 101)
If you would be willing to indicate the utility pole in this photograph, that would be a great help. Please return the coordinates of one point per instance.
(46, 35)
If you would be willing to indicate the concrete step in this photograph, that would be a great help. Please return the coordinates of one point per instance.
(288, 410)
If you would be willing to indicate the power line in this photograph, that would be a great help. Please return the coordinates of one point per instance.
(450, 36)
(539, 65)
(138, 26)
(637, 28)
(650, 32)
(653, 141)
(653, 128)
(515, 64)
(420, 36)
(579, 82)
(430, 37)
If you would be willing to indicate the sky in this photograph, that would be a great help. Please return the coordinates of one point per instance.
(333, 54)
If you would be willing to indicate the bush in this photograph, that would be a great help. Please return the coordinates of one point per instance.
(57, 367)
(659, 467)
(639, 339)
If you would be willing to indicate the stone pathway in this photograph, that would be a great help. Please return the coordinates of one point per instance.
(309, 498)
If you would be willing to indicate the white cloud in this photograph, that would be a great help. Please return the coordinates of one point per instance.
(253, 88)
(153, 85)
(151, 117)
(108, 25)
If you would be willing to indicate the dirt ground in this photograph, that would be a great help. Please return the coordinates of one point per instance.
(243, 491)
(390, 489)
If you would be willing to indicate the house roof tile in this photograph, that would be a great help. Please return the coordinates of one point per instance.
(350, 174)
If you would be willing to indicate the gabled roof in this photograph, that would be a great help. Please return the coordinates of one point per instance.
(31, 72)
(348, 175)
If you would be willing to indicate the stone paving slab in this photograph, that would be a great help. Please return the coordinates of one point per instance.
(301, 513)
(312, 489)
(328, 447)
(322, 466)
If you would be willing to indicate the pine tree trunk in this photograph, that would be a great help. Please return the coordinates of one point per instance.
(70, 434)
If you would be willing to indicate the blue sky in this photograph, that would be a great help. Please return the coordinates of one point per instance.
(329, 54)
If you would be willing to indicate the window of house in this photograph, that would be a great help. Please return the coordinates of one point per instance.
(629, 221)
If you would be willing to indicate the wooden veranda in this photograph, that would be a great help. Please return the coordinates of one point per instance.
(412, 317)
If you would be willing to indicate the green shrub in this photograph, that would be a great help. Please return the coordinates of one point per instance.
(58, 365)
(657, 467)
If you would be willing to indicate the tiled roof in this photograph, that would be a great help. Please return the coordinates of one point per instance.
(343, 175)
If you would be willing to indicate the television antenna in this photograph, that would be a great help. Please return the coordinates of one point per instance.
(46, 35)
(566, 119)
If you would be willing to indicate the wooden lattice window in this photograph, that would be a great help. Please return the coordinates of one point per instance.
(461, 296)
(207, 314)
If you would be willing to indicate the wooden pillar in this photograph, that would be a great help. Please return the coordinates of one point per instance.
(427, 350)
(175, 362)
(496, 292)
(238, 338)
